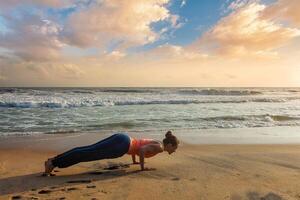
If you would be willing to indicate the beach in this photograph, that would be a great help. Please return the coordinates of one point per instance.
(194, 171)
(235, 143)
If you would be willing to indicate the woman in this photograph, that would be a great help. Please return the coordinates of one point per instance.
(113, 147)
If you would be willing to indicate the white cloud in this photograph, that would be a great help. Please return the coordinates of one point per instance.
(32, 38)
(285, 10)
(55, 69)
(237, 4)
(70, 71)
(112, 20)
(245, 33)
(116, 55)
(7, 5)
(96, 23)
(183, 3)
(173, 52)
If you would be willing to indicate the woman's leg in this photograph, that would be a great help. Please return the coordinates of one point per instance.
(112, 147)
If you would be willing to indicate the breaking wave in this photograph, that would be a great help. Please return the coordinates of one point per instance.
(93, 103)
(220, 92)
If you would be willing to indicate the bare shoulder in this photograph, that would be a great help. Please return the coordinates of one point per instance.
(153, 147)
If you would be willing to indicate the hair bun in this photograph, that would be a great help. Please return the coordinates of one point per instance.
(169, 134)
(170, 139)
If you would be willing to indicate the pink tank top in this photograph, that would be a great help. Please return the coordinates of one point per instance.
(136, 144)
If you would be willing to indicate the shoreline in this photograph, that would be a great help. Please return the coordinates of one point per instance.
(282, 135)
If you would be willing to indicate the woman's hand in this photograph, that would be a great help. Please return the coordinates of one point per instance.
(150, 148)
(134, 160)
(148, 169)
(137, 163)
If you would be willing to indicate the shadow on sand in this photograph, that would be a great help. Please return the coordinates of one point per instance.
(35, 182)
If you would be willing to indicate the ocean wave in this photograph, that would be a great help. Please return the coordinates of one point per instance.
(293, 91)
(64, 104)
(127, 90)
(34, 105)
(95, 127)
(270, 100)
(219, 122)
(281, 118)
(264, 117)
(12, 90)
(63, 131)
(157, 102)
(226, 118)
(110, 126)
(94, 103)
(7, 90)
(222, 92)
(268, 117)
(184, 91)
(82, 91)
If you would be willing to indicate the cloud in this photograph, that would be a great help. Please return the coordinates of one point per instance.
(237, 4)
(173, 52)
(31, 37)
(285, 10)
(2, 77)
(115, 55)
(245, 33)
(69, 71)
(34, 36)
(183, 3)
(27, 73)
(174, 19)
(11, 4)
(48, 70)
(59, 69)
(112, 20)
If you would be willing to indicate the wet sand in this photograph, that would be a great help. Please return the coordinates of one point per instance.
(195, 171)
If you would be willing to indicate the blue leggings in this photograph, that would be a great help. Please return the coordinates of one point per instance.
(112, 147)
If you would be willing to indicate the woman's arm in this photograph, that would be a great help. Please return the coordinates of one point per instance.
(150, 148)
(142, 156)
(133, 159)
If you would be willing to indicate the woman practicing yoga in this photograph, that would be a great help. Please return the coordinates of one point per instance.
(113, 147)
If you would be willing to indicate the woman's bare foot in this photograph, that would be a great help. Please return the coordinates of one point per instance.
(49, 166)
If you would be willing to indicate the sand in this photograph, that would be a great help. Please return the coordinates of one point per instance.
(195, 171)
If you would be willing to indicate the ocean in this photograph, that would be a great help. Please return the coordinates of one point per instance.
(28, 111)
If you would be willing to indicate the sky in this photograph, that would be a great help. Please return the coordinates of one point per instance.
(150, 43)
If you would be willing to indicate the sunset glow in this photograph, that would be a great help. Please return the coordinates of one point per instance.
(150, 43)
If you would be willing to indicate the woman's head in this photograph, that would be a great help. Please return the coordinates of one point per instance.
(170, 142)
